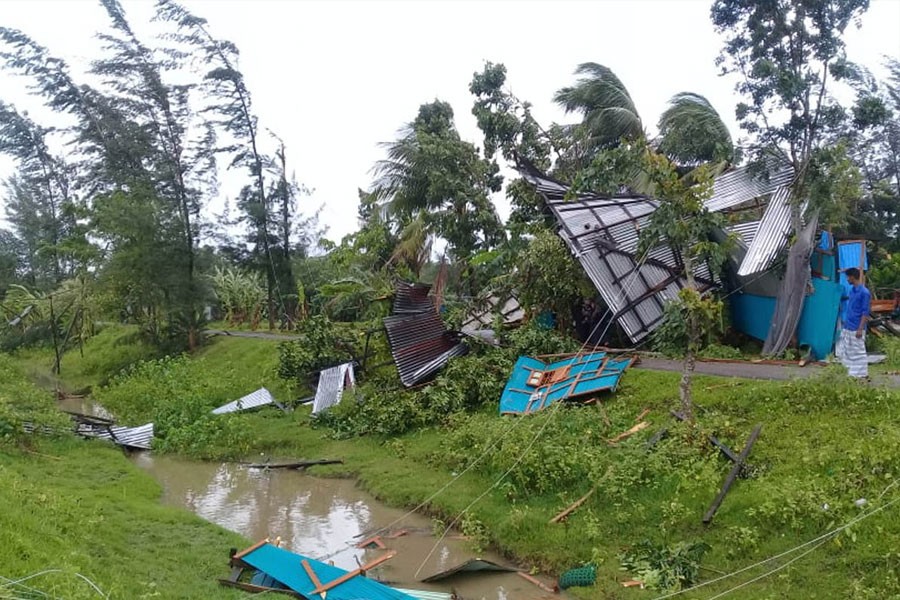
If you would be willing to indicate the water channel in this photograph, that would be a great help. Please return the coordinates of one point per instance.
(322, 518)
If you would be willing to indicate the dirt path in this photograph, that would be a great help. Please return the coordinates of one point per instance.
(744, 370)
(749, 370)
(265, 335)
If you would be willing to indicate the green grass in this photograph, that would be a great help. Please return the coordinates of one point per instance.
(72, 507)
(114, 348)
(82, 507)
(824, 442)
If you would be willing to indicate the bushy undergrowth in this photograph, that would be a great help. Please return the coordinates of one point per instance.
(320, 345)
(177, 398)
(533, 339)
(380, 406)
(21, 402)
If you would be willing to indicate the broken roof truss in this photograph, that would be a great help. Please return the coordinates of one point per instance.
(603, 233)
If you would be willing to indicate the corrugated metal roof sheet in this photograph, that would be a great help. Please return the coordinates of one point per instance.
(534, 384)
(332, 383)
(420, 345)
(426, 595)
(771, 235)
(140, 437)
(286, 567)
(412, 298)
(604, 232)
(743, 184)
(260, 397)
(482, 317)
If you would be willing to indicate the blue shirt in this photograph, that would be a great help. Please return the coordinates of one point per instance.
(857, 306)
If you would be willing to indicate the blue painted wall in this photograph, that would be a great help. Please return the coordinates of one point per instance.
(752, 314)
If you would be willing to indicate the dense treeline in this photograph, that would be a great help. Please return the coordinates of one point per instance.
(109, 216)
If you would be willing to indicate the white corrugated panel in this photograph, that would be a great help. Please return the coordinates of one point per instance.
(140, 437)
(332, 383)
(260, 397)
(771, 235)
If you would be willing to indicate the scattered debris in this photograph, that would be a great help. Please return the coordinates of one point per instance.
(300, 464)
(573, 507)
(723, 448)
(260, 397)
(534, 384)
(643, 414)
(332, 384)
(266, 568)
(625, 434)
(735, 470)
(633, 583)
(475, 565)
(372, 543)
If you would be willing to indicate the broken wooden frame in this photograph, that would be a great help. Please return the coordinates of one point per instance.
(732, 475)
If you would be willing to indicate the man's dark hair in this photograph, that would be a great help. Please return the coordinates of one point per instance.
(852, 272)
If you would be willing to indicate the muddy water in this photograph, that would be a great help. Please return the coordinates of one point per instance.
(321, 518)
(83, 405)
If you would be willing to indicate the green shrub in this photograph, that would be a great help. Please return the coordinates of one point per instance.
(319, 346)
(175, 395)
(380, 406)
(662, 567)
(533, 340)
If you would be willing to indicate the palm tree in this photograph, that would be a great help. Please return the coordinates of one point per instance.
(691, 132)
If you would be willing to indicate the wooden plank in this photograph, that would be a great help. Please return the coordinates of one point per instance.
(312, 575)
(258, 589)
(243, 553)
(639, 427)
(643, 414)
(573, 507)
(348, 576)
(708, 517)
(300, 464)
(537, 582)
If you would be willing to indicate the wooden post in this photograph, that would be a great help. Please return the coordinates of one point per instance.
(732, 475)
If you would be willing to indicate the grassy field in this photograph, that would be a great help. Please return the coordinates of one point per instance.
(825, 444)
(74, 510)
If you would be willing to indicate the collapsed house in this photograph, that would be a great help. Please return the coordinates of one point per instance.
(603, 234)
(420, 343)
(535, 385)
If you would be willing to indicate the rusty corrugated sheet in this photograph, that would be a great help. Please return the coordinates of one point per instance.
(420, 345)
(410, 298)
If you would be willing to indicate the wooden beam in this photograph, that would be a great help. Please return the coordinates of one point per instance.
(537, 582)
(255, 546)
(348, 576)
(573, 507)
(708, 517)
(312, 575)
(639, 427)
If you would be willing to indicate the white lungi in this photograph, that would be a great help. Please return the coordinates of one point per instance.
(851, 351)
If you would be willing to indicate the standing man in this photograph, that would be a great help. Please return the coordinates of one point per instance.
(853, 328)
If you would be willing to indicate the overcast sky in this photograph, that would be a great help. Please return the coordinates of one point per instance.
(335, 78)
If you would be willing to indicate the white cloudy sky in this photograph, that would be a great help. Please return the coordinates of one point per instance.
(335, 78)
